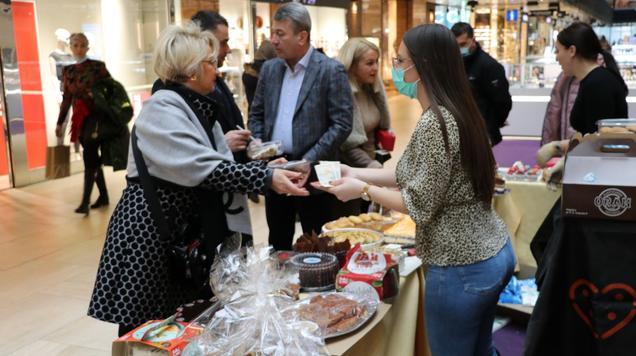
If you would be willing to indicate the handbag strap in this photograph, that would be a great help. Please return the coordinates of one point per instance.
(150, 192)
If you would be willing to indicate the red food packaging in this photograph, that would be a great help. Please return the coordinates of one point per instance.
(170, 342)
(385, 139)
(375, 268)
(553, 161)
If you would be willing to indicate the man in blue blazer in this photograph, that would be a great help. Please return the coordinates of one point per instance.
(303, 99)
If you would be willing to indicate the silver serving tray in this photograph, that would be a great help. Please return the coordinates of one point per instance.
(371, 309)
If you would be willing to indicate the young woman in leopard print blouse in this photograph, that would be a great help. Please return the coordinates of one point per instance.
(446, 182)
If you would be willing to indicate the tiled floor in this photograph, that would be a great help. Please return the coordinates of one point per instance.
(49, 257)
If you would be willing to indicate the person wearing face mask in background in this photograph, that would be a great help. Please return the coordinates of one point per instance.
(487, 80)
(78, 80)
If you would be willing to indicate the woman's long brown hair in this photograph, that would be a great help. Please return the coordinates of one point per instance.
(436, 56)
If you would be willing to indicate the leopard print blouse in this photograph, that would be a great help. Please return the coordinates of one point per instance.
(452, 226)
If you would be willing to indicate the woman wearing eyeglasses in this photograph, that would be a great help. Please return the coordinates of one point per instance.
(191, 165)
(446, 182)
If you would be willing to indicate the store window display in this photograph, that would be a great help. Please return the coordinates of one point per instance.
(59, 58)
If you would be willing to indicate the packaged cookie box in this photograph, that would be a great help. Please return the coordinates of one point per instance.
(374, 268)
(599, 180)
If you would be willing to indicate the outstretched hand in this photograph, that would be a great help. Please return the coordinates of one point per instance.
(344, 189)
(288, 182)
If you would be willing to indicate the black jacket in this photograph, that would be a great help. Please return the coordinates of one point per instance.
(229, 114)
(490, 89)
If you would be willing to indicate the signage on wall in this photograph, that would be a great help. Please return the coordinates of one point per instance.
(542, 13)
(512, 15)
(343, 4)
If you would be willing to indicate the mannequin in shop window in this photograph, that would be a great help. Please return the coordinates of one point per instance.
(78, 80)
(59, 58)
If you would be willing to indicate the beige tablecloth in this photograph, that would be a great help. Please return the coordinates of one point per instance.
(399, 332)
(523, 210)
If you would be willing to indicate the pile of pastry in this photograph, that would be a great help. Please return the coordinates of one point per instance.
(333, 313)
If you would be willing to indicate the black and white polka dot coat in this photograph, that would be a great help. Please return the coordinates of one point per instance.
(133, 283)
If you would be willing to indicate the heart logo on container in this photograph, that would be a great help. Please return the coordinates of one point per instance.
(605, 311)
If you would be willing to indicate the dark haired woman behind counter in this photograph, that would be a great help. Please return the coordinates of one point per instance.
(602, 92)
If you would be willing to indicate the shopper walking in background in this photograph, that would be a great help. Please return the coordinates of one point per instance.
(190, 164)
(252, 71)
(446, 183)
(78, 81)
(250, 77)
(487, 80)
(303, 99)
(602, 91)
(370, 110)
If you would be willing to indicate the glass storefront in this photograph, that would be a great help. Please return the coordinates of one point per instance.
(34, 46)
(622, 39)
(121, 33)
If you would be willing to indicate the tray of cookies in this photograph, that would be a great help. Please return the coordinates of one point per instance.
(364, 237)
(336, 313)
(371, 221)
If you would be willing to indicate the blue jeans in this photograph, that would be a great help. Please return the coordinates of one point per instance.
(460, 303)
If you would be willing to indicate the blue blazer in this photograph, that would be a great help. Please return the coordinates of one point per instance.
(323, 116)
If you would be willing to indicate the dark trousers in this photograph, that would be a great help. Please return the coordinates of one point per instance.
(314, 211)
(90, 145)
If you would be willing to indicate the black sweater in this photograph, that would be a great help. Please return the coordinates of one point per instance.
(601, 96)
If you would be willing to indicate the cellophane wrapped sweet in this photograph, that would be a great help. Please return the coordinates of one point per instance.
(251, 321)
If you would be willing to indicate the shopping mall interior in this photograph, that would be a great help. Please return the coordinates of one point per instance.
(49, 255)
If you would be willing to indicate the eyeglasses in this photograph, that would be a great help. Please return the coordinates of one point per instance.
(211, 61)
(398, 62)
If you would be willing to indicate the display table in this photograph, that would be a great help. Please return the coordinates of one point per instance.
(396, 329)
(523, 210)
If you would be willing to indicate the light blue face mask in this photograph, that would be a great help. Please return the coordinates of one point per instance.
(408, 89)
(465, 51)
